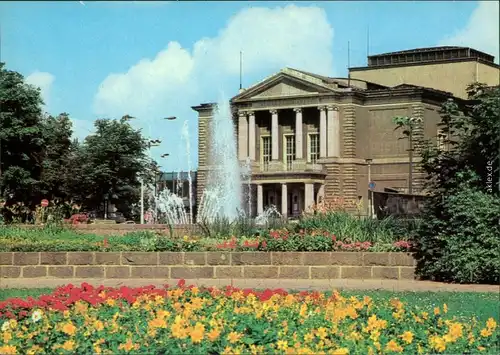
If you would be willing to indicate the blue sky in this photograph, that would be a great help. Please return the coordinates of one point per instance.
(156, 59)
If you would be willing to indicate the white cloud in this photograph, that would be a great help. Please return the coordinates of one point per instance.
(177, 78)
(482, 30)
(42, 80)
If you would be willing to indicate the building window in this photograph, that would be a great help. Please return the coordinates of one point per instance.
(313, 148)
(265, 152)
(289, 151)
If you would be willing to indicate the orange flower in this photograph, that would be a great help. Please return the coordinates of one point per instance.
(213, 334)
(234, 337)
(197, 333)
(69, 329)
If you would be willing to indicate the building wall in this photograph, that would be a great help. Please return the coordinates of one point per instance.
(204, 118)
(453, 77)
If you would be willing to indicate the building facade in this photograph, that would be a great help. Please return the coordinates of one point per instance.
(313, 139)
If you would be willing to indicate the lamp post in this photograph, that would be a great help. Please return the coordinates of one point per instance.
(370, 191)
(151, 143)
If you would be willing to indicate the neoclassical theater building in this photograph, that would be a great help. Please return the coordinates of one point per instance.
(312, 138)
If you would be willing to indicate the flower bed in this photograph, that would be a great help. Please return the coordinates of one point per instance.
(189, 320)
(273, 240)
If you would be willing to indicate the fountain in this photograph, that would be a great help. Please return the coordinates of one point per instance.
(171, 208)
(222, 195)
(185, 135)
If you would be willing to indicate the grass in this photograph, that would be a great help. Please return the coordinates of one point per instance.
(460, 304)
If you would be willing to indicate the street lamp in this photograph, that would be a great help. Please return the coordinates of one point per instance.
(151, 143)
(370, 191)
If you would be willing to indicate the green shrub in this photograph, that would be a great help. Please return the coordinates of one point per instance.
(347, 227)
(458, 241)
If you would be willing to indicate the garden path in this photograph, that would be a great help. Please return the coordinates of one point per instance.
(300, 285)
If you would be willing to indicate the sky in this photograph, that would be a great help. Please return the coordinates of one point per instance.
(157, 59)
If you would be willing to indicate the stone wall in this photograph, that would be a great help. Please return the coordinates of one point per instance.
(207, 265)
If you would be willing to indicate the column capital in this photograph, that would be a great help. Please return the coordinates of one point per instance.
(283, 183)
(297, 109)
(251, 113)
(332, 108)
(273, 112)
(322, 108)
(242, 114)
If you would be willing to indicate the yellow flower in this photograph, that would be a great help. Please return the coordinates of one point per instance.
(68, 345)
(308, 337)
(98, 325)
(445, 308)
(491, 324)
(157, 323)
(69, 329)
(234, 337)
(485, 332)
(7, 336)
(110, 302)
(481, 348)
(128, 346)
(213, 334)
(393, 346)
(197, 333)
(35, 349)
(407, 337)
(8, 349)
(455, 331)
(282, 345)
(322, 333)
(436, 311)
(437, 343)
(340, 351)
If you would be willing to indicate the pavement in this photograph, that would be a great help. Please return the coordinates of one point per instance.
(299, 285)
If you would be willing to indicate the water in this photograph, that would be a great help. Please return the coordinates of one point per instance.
(247, 177)
(185, 135)
(269, 213)
(170, 207)
(222, 197)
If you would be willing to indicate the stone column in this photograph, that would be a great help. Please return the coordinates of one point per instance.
(242, 136)
(284, 200)
(251, 135)
(322, 131)
(299, 150)
(333, 131)
(260, 199)
(274, 135)
(308, 196)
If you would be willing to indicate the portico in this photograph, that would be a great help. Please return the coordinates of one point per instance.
(289, 198)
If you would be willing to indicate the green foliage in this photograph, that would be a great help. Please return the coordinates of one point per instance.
(458, 238)
(21, 138)
(349, 228)
(39, 160)
(242, 226)
(459, 241)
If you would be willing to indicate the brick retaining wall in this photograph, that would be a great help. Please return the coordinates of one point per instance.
(206, 265)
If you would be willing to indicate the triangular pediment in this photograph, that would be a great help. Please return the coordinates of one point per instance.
(283, 84)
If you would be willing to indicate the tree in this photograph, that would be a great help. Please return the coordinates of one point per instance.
(58, 146)
(408, 125)
(21, 138)
(109, 164)
(458, 237)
